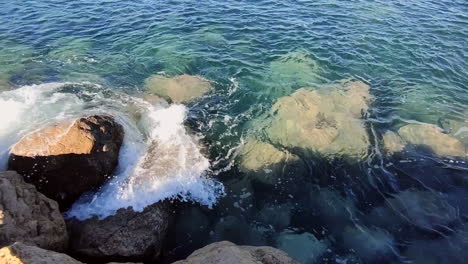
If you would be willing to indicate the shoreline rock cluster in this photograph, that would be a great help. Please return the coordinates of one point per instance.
(52, 167)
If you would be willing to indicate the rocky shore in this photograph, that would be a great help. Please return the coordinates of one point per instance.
(52, 167)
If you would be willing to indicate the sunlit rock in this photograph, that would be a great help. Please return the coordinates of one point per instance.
(325, 121)
(266, 163)
(392, 142)
(432, 137)
(304, 247)
(458, 129)
(179, 89)
(19, 253)
(69, 158)
(370, 244)
(229, 253)
(29, 216)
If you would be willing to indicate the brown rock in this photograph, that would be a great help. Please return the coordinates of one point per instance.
(179, 89)
(126, 235)
(69, 158)
(228, 253)
(28, 216)
(324, 121)
(433, 138)
(19, 253)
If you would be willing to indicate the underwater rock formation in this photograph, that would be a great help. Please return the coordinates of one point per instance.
(303, 247)
(70, 158)
(431, 136)
(326, 121)
(426, 136)
(28, 216)
(266, 163)
(178, 89)
(229, 253)
(392, 142)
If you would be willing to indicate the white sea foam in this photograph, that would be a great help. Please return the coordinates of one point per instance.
(159, 159)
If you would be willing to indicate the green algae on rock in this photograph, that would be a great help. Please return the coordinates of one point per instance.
(432, 137)
(179, 89)
(392, 142)
(325, 121)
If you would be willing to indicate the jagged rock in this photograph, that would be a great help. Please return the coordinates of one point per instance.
(178, 89)
(19, 253)
(28, 216)
(127, 235)
(69, 158)
(325, 121)
(432, 137)
(229, 253)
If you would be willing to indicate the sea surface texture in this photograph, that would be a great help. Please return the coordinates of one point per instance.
(336, 131)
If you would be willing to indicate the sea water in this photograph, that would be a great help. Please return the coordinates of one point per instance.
(61, 60)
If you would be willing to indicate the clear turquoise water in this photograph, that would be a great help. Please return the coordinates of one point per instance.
(413, 54)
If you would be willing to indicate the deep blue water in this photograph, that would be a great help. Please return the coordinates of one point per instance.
(413, 54)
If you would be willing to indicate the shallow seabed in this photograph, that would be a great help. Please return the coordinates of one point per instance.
(353, 202)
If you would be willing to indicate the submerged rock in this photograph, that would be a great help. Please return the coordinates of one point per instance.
(266, 163)
(370, 244)
(179, 89)
(392, 142)
(229, 253)
(28, 216)
(432, 137)
(294, 69)
(325, 121)
(19, 253)
(422, 209)
(70, 158)
(303, 247)
(127, 235)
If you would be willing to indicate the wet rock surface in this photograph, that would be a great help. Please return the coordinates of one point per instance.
(28, 216)
(178, 89)
(69, 158)
(229, 253)
(127, 235)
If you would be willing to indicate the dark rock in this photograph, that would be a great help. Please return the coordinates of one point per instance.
(67, 159)
(127, 235)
